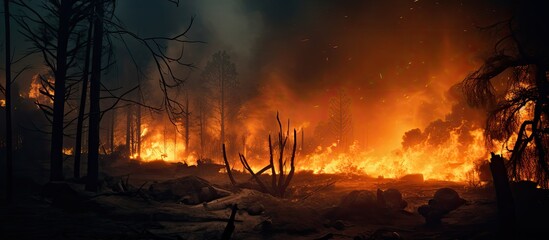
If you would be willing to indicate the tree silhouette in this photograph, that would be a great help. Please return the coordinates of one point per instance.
(95, 88)
(220, 77)
(518, 113)
(7, 94)
(340, 118)
(59, 39)
(82, 105)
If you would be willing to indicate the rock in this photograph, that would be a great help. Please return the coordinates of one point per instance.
(393, 199)
(255, 209)
(444, 201)
(357, 204)
(447, 199)
(359, 199)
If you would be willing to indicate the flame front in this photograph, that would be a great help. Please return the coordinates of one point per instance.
(157, 143)
(449, 161)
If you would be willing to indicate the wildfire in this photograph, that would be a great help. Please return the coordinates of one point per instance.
(36, 87)
(449, 161)
(157, 145)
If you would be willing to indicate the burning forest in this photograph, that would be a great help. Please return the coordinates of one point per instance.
(288, 120)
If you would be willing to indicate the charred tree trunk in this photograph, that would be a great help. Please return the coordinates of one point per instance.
(138, 131)
(229, 229)
(201, 122)
(228, 167)
(504, 196)
(82, 107)
(56, 150)
(187, 123)
(539, 112)
(292, 169)
(95, 88)
(175, 142)
(9, 137)
(128, 129)
(279, 181)
(222, 117)
(111, 137)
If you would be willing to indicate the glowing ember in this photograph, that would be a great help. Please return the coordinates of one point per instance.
(68, 151)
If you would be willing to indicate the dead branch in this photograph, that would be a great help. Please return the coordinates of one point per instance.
(251, 171)
(279, 181)
(228, 167)
(229, 229)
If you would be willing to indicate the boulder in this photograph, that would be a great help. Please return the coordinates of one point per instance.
(255, 209)
(359, 200)
(393, 199)
(447, 199)
(444, 201)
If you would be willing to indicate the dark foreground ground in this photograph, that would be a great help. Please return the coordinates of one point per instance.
(72, 213)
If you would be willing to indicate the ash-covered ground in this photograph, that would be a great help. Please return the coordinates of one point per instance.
(171, 201)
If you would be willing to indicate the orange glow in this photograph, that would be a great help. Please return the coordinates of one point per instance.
(36, 86)
(449, 161)
(157, 143)
(68, 151)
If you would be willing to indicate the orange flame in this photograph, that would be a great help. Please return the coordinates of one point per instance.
(449, 161)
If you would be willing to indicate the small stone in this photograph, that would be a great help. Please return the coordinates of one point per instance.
(339, 225)
(255, 209)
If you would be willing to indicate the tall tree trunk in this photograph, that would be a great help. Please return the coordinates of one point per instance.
(9, 137)
(222, 105)
(82, 107)
(95, 87)
(505, 202)
(201, 119)
(175, 143)
(111, 137)
(138, 131)
(187, 123)
(56, 151)
(128, 129)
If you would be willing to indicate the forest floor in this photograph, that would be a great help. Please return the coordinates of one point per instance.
(72, 213)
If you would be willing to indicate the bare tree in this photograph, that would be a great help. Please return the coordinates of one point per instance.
(520, 110)
(220, 76)
(341, 118)
(168, 80)
(7, 94)
(95, 89)
(60, 43)
(82, 105)
(280, 181)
